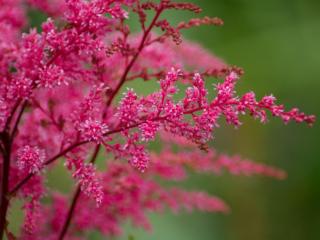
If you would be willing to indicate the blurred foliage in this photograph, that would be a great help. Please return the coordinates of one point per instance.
(277, 43)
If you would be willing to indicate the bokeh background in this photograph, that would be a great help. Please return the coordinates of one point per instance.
(277, 42)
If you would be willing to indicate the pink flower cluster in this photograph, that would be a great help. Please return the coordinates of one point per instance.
(30, 159)
(60, 100)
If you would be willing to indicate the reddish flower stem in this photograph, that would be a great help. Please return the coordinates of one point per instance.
(5, 181)
(135, 57)
(70, 214)
(7, 139)
(75, 199)
(15, 127)
(14, 109)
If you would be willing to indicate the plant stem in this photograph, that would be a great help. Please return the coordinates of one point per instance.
(5, 181)
(75, 200)
(70, 214)
(15, 127)
(135, 57)
(14, 109)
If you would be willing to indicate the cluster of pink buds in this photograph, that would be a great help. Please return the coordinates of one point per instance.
(63, 99)
(30, 159)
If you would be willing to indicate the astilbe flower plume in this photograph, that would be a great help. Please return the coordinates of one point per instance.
(59, 101)
(30, 159)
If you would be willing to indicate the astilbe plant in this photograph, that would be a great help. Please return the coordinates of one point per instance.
(57, 103)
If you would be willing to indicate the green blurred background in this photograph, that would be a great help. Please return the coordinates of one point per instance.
(277, 42)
